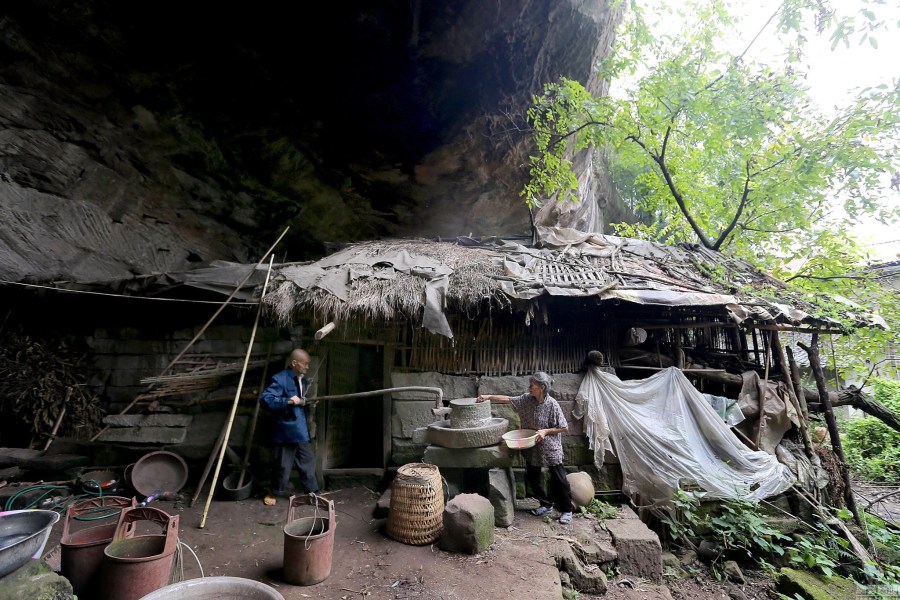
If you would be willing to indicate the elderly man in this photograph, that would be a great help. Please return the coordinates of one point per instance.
(285, 396)
(537, 410)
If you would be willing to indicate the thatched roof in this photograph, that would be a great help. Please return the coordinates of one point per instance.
(421, 279)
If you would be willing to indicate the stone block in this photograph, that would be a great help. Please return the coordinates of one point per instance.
(638, 548)
(813, 586)
(565, 386)
(598, 550)
(144, 435)
(502, 494)
(583, 580)
(576, 451)
(505, 386)
(420, 435)
(505, 411)
(453, 386)
(158, 420)
(407, 415)
(488, 457)
(468, 524)
(35, 579)
(383, 505)
(404, 451)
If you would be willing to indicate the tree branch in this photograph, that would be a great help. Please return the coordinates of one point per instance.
(823, 278)
(676, 195)
(564, 136)
(737, 215)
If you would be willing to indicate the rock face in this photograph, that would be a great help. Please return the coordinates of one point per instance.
(138, 139)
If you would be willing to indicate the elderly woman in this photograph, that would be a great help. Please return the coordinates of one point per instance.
(538, 410)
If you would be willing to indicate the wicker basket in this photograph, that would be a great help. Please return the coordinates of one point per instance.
(417, 505)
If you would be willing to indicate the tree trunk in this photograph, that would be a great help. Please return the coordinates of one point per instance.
(813, 351)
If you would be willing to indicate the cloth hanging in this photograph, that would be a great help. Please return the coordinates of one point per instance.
(665, 435)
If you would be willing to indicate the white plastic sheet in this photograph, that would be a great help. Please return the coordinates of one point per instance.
(665, 433)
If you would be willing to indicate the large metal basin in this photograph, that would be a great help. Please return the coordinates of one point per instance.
(23, 534)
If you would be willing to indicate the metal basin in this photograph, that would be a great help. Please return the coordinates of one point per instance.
(23, 534)
(216, 588)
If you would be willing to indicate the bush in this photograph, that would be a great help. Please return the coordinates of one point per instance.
(871, 447)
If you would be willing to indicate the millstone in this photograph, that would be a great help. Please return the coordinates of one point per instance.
(442, 434)
(467, 413)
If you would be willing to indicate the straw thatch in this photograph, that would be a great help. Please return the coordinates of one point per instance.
(497, 273)
(473, 280)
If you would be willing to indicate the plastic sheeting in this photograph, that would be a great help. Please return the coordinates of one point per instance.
(665, 434)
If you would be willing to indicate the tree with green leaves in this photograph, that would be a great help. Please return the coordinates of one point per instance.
(720, 148)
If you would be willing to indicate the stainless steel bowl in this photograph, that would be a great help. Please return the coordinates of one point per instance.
(23, 534)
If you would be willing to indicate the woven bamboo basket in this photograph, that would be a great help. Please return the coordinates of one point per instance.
(416, 515)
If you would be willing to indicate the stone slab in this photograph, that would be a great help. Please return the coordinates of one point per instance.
(409, 415)
(638, 548)
(453, 386)
(144, 435)
(469, 458)
(584, 580)
(160, 420)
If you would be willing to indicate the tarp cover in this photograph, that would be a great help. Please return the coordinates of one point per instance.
(665, 433)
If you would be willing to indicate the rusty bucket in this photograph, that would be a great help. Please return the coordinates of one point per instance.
(308, 540)
(81, 547)
(137, 565)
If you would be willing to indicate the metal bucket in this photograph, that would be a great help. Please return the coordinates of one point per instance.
(137, 565)
(308, 540)
(216, 588)
(81, 550)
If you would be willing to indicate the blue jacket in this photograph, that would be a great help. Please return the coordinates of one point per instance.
(289, 420)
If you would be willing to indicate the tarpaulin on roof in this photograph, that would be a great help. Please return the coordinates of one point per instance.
(665, 435)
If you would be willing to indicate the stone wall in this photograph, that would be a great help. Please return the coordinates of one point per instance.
(126, 355)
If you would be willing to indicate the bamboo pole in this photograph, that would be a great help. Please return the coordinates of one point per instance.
(237, 397)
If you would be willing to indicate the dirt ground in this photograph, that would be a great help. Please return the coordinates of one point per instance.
(245, 539)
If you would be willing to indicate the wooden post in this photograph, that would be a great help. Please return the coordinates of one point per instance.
(798, 384)
(813, 351)
(763, 393)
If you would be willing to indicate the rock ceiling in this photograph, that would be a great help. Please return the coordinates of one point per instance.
(139, 138)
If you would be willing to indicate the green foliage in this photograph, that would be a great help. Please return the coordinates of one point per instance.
(871, 447)
(726, 150)
(38, 377)
(736, 524)
(819, 552)
(738, 527)
(599, 510)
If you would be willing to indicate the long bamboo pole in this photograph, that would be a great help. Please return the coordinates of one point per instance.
(237, 397)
